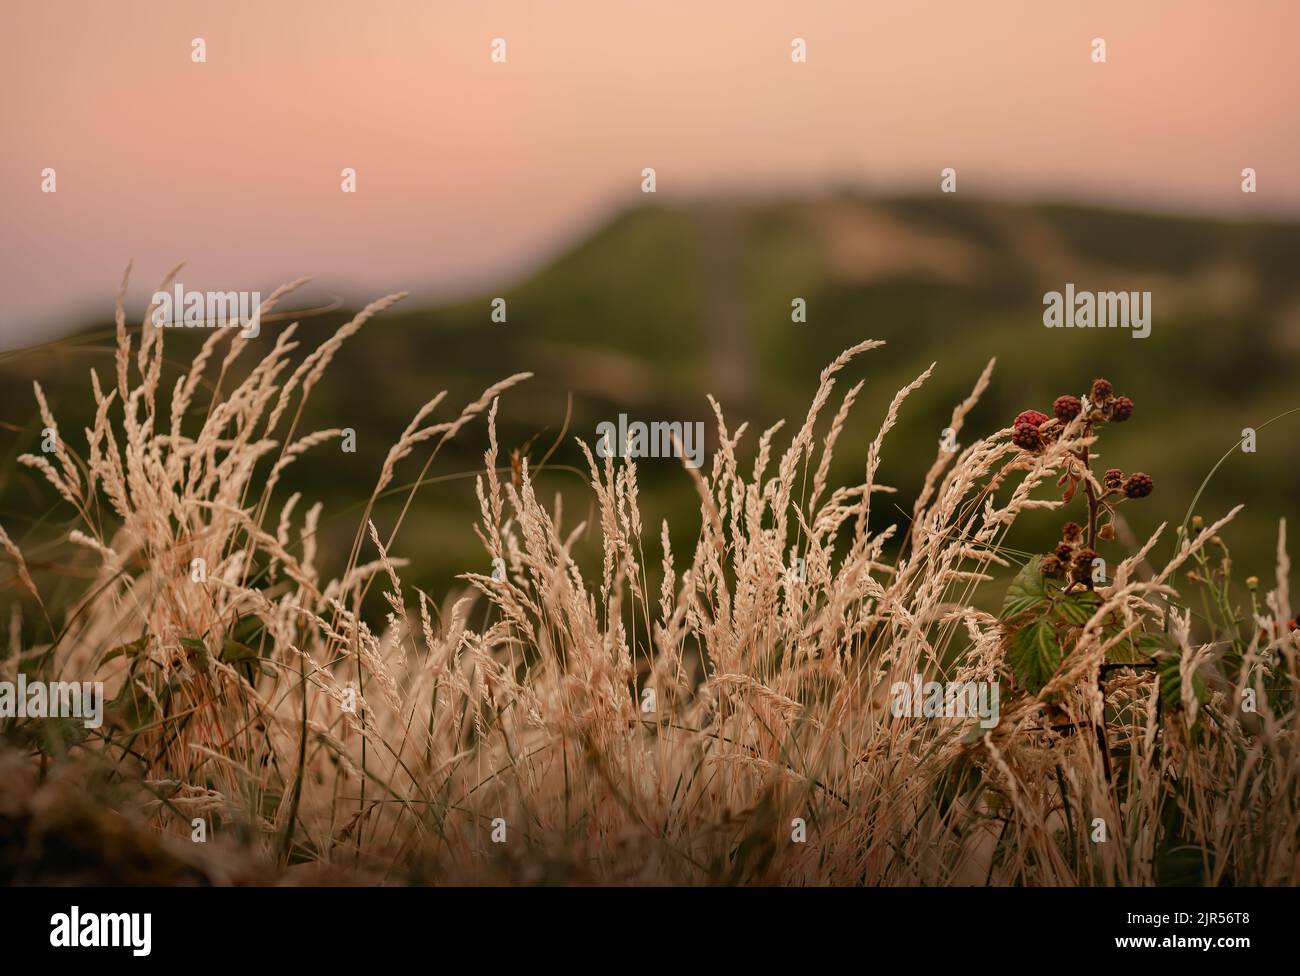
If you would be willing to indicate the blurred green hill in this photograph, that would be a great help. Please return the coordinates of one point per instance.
(669, 302)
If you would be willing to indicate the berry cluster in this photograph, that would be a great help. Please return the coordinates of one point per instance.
(1031, 430)
(1034, 430)
(1072, 558)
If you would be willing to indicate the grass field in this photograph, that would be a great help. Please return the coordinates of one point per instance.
(488, 655)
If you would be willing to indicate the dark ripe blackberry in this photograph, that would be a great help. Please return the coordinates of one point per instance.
(1101, 390)
(1064, 551)
(1139, 485)
(1035, 417)
(1112, 479)
(1067, 407)
(1026, 436)
(1121, 409)
(1052, 566)
(1081, 568)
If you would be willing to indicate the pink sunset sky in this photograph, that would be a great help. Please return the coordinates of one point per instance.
(471, 173)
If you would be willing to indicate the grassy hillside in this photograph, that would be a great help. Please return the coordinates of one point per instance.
(668, 303)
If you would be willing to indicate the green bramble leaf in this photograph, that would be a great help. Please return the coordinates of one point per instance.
(1077, 609)
(1028, 591)
(1034, 655)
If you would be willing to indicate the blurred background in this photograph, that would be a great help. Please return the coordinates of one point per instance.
(775, 180)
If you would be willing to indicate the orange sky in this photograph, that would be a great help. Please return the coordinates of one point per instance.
(471, 172)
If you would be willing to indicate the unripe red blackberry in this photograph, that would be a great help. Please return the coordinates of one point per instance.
(1072, 532)
(1052, 566)
(1112, 479)
(1121, 409)
(1026, 436)
(1101, 390)
(1063, 551)
(1139, 485)
(1067, 407)
(1035, 417)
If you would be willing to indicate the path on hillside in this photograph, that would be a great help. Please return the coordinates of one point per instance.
(728, 344)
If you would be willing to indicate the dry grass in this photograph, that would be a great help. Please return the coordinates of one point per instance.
(523, 697)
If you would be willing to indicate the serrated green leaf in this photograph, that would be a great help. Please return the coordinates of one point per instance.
(1077, 608)
(1028, 591)
(1153, 644)
(1034, 655)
